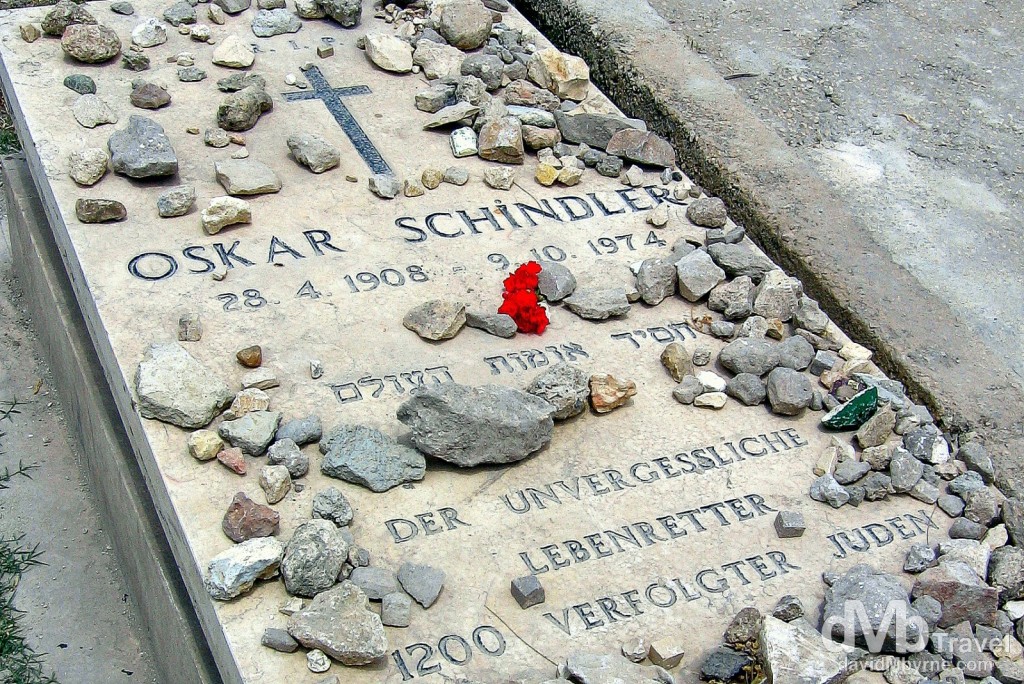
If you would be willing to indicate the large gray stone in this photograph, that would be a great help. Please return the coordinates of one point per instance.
(741, 259)
(594, 130)
(863, 588)
(777, 296)
(963, 595)
(233, 572)
(656, 280)
(749, 355)
(275, 22)
(468, 426)
(233, 6)
(565, 387)
(555, 282)
(598, 304)
(243, 177)
(436, 319)
(796, 353)
(465, 24)
(795, 653)
(367, 457)
(172, 386)
(789, 391)
(331, 504)
(734, 299)
(64, 14)
(1006, 572)
(827, 490)
(142, 150)
(376, 583)
(422, 582)
(242, 109)
(286, 453)
(253, 432)
(698, 275)
(340, 623)
(313, 558)
(301, 430)
(905, 471)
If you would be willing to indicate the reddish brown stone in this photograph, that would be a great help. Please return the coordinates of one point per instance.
(250, 357)
(232, 459)
(246, 519)
(607, 393)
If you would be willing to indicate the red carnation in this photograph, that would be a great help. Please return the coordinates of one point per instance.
(524, 277)
(521, 299)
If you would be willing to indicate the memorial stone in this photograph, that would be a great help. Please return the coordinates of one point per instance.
(655, 520)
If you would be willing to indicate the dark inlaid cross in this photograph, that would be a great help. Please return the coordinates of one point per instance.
(332, 97)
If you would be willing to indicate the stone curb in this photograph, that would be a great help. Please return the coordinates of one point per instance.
(650, 72)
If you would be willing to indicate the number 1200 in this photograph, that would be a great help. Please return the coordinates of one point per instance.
(452, 648)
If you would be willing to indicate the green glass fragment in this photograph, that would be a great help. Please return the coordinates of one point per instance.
(854, 413)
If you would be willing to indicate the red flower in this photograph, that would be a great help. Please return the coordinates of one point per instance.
(521, 299)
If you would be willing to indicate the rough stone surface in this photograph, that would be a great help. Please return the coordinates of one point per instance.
(313, 152)
(243, 177)
(234, 571)
(677, 361)
(242, 109)
(312, 560)
(708, 212)
(275, 22)
(688, 390)
(422, 582)
(919, 558)
(224, 212)
(877, 429)
(331, 504)
(746, 388)
(796, 353)
(469, 426)
(465, 24)
(176, 201)
(875, 592)
(749, 355)
(789, 391)
(499, 325)
(376, 583)
(1006, 572)
(253, 432)
(367, 457)
(789, 524)
(64, 14)
(245, 519)
(172, 386)
(99, 210)
(608, 393)
(733, 299)
(740, 259)
(598, 304)
(642, 147)
(142, 150)
(389, 52)
(285, 452)
(80, 83)
(656, 280)
(395, 610)
(565, 387)
(501, 141)
(278, 640)
(340, 623)
(777, 296)
(697, 275)
(827, 490)
(301, 430)
(436, 320)
(527, 591)
(962, 594)
(565, 76)
(904, 470)
(89, 43)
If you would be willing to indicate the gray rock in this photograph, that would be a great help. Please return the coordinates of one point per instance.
(744, 628)
(233, 6)
(877, 486)
(609, 166)
(973, 454)
(967, 484)
(385, 185)
(874, 592)
(789, 524)
(279, 640)
(796, 353)
(919, 558)
(253, 432)
(340, 623)
(180, 13)
(348, 13)
(64, 14)
(927, 444)
(1013, 518)
(301, 430)
(313, 152)
(454, 114)
(242, 109)
(376, 583)
(598, 304)
(527, 591)
(777, 296)
(1007, 671)
(688, 390)
(810, 317)
(396, 610)
(313, 559)
(275, 22)
(789, 391)
(367, 457)
(749, 355)
(741, 260)
(951, 505)
(173, 387)
(877, 429)
(788, 608)
(436, 319)
(929, 609)
(286, 453)
(723, 329)
(499, 325)
(827, 490)
(823, 360)
(850, 470)
(422, 582)
(697, 275)
(708, 212)
(729, 234)
(233, 572)
(489, 69)
(925, 492)
(434, 99)
(142, 150)
(904, 470)
(237, 82)
(90, 44)
(456, 175)
(465, 24)
(955, 585)
(532, 116)
(563, 386)
(176, 201)
(1006, 572)
(656, 280)
(794, 652)
(244, 177)
(983, 506)
(331, 504)
(468, 426)
(746, 388)
(642, 147)
(724, 664)
(80, 83)
(733, 299)
(594, 130)
(962, 528)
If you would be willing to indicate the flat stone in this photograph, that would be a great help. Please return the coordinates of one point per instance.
(278, 640)
(142, 150)
(734, 299)
(1006, 572)
(877, 429)
(150, 32)
(795, 652)
(99, 210)
(150, 96)
(595, 130)
(565, 76)
(176, 201)
(697, 275)
(905, 471)
(340, 623)
(565, 387)
(233, 6)
(437, 60)
(369, 458)
(469, 426)
(598, 304)
(499, 325)
(234, 53)
(422, 582)
(235, 571)
(395, 610)
(245, 519)
(389, 52)
(180, 13)
(253, 432)
(275, 22)
(233, 459)
(874, 592)
(376, 583)
(244, 177)
(789, 391)
(331, 504)
(740, 259)
(708, 212)
(642, 147)
(850, 470)
(173, 387)
(962, 594)
(301, 430)
(90, 44)
(827, 490)
(436, 319)
(311, 564)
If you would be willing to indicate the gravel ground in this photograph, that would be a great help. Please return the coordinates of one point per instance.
(913, 111)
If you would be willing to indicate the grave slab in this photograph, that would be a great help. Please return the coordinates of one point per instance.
(654, 521)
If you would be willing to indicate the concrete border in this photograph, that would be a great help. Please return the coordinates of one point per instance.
(649, 72)
(156, 589)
